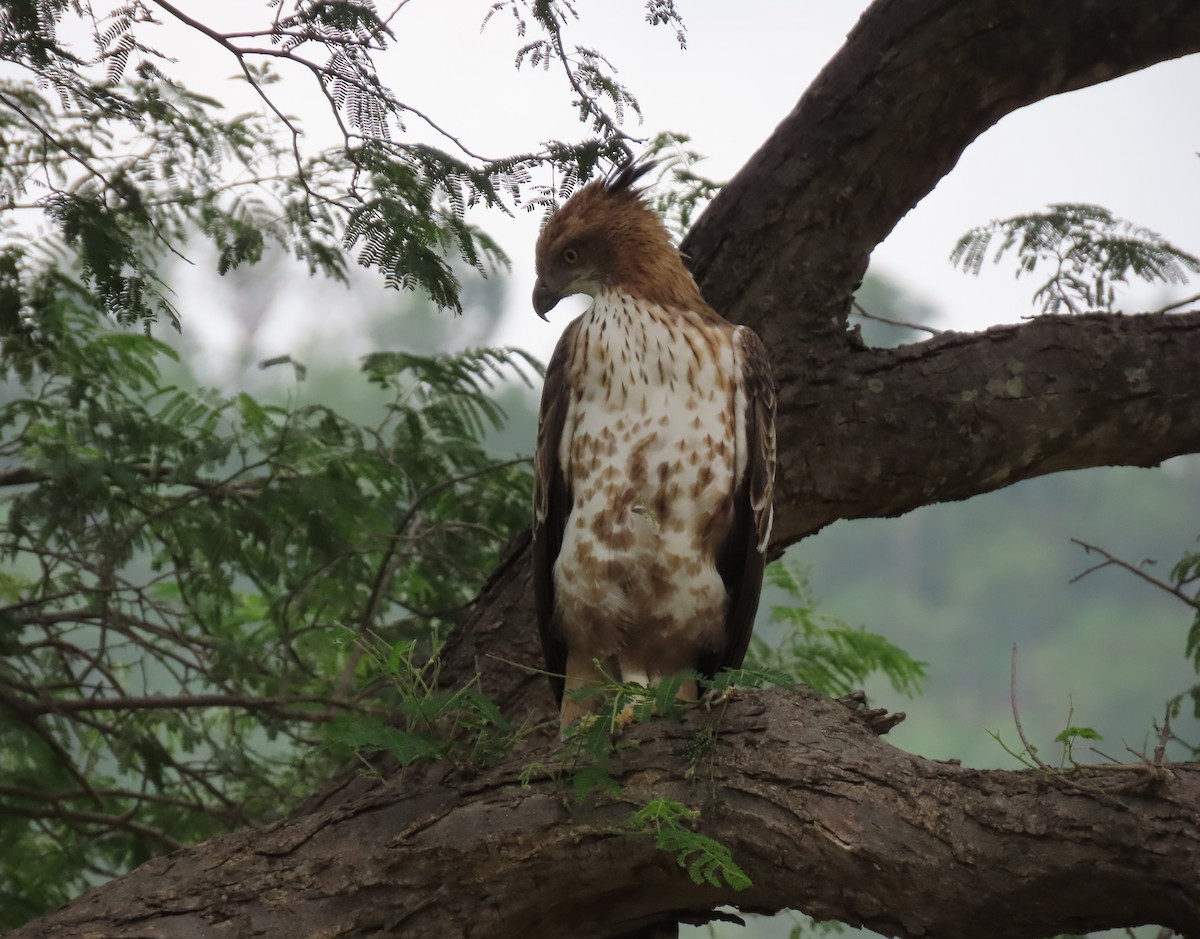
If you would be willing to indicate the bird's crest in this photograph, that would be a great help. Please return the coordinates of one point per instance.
(624, 176)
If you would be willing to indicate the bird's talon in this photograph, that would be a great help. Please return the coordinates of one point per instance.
(719, 696)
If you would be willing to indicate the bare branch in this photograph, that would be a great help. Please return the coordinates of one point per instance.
(279, 705)
(1135, 569)
(858, 307)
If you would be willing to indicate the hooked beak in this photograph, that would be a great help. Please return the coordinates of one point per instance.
(544, 299)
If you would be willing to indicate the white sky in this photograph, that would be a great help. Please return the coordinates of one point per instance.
(1130, 145)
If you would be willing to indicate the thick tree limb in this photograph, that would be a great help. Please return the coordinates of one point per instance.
(821, 813)
(878, 432)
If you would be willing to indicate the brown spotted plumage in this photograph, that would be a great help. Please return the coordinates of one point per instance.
(655, 456)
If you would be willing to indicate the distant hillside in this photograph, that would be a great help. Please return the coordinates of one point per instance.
(957, 584)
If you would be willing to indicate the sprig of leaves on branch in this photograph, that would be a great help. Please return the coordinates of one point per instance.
(1087, 249)
(823, 651)
(105, 143)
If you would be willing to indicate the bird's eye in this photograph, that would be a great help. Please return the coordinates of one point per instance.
(571, 256)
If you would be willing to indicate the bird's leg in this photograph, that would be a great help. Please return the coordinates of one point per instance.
(585, 679)
(631, 675)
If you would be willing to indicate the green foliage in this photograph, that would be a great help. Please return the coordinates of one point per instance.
(1088, 249)
(127, 163)
(589, 743)
(195, 585)
(600, 99)
(1069, 735)
(807, 926)
(821, 650)
(208, 599)
(460, 725)
(680, 192)
(1185, 577)
(706, 860)
(408, 233)
(1185, 585)
(1067, 738)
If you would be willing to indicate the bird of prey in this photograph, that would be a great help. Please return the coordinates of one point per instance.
(655, 457)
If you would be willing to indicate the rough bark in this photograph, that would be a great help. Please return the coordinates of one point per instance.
(878, 432)
(820, 813)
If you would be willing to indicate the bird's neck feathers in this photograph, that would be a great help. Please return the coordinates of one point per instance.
(657, 276)
(647, 265)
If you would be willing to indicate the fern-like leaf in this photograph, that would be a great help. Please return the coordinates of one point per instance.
(823, 651)
(1088, 250)
(706, 860)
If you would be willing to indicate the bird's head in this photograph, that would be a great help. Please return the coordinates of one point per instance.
(607, 237)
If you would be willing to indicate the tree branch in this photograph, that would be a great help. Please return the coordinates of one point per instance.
(820, 812)
(280, 705)
(869, 433)
(1137, 570)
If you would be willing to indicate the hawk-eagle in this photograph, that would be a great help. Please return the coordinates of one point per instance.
(655, 456)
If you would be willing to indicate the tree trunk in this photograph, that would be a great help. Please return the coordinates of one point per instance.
(820, 813)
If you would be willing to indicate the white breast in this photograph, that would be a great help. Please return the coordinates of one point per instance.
(649, 453)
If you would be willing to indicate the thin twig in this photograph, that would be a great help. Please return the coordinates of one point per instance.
(1050, 771)
(1178, 303)
(230, 814)
(123, 822)
(1012, 699)
(78, 158)
(890, 322)
(240, 54)
(186, 701)
(18, 707)
(1160, 750)
(1113, 559)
